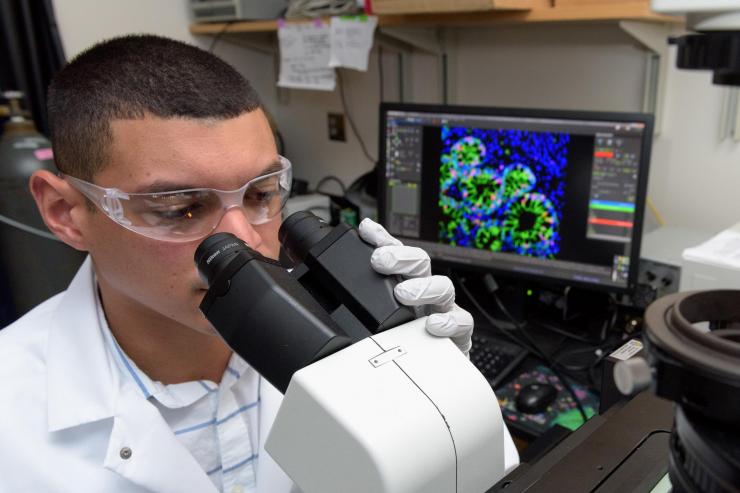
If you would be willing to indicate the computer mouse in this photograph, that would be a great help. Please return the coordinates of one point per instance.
(535, 397)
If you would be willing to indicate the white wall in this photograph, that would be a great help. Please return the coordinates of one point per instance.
(693, 176)
(83, 23)
(579, 67)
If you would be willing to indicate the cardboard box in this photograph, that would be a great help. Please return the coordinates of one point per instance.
(436, 6)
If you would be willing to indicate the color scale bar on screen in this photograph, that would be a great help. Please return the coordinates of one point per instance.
(610, 222)
(604, 154)
(607, 205)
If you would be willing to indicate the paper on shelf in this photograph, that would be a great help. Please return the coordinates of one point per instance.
(304, 56)
(723, 250)
(351, 41)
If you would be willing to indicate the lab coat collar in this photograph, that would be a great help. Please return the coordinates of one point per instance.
(82, 386)
(143, 449)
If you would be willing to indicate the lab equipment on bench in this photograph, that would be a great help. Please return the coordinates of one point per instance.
(714, 264)
(712, 45)
(692, 346)
(692, 339)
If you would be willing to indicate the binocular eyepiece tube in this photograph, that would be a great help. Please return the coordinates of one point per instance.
(281, 321)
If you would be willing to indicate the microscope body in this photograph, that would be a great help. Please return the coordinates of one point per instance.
(398, 412)
(373, 403)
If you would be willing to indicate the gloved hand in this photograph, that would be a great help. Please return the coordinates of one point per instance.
(430, 295)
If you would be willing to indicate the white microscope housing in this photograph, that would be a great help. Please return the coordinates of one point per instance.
(398, 412)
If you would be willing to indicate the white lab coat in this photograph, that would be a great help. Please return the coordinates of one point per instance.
(66, 416)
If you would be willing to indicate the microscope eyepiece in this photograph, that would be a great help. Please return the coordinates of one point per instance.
(265, 315)
(214, 254)
(300, 232)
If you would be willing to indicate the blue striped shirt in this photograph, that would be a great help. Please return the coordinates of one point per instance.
(217, 422)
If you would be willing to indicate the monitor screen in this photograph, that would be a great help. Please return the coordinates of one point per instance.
(552, 195)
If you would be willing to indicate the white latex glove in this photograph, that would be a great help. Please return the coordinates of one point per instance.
(430, 295)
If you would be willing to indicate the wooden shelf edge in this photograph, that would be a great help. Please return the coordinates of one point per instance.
(635, 11)
(234, 27)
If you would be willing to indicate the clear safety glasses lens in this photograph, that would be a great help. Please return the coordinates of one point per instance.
(187, 215)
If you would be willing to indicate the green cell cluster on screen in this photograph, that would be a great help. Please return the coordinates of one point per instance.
(468, 151)
(530, 221)
(480, 191)
(449, 228)
(488, 238)
(518, 180)
(488, 201)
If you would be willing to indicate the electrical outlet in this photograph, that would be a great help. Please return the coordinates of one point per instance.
(336, 127)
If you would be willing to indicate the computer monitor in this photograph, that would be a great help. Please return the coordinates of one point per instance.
(557, 196)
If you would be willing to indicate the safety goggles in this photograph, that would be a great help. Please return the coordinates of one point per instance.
(187, 215)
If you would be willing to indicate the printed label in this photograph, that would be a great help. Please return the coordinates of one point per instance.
(43, 154)
(627, 350)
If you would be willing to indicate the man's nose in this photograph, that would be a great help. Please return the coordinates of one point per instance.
(235, 221)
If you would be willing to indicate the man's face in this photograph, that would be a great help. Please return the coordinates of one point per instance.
(155, 278)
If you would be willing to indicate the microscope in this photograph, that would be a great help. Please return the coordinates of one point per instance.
(373, 403)
(714, 43)
(692, 339)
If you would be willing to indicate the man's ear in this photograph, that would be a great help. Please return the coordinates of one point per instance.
(61, 207)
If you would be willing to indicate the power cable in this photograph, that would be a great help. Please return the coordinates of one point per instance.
(560, 331)
(335, 180)
(531, 345)
(495, 323)
(539, 352)
(218, 35)
(351, 121)
(380, 73)
(27, 229)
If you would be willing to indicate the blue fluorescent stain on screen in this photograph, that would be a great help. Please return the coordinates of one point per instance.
(502, 190)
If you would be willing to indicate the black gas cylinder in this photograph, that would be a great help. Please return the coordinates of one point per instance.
(34, 265)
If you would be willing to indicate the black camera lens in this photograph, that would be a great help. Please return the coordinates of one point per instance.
(214, 254)
(301, 231)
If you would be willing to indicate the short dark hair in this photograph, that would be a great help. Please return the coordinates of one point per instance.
(127, 78)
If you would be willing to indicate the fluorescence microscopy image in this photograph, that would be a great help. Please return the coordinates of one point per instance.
(502, 190)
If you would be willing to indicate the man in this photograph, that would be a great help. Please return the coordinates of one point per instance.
(120, 383)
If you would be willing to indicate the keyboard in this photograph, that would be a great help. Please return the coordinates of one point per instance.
(495, 357)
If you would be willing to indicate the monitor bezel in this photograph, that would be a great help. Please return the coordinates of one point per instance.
(645, 118)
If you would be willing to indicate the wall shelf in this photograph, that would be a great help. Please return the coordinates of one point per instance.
(426, 32)
(630, 10)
